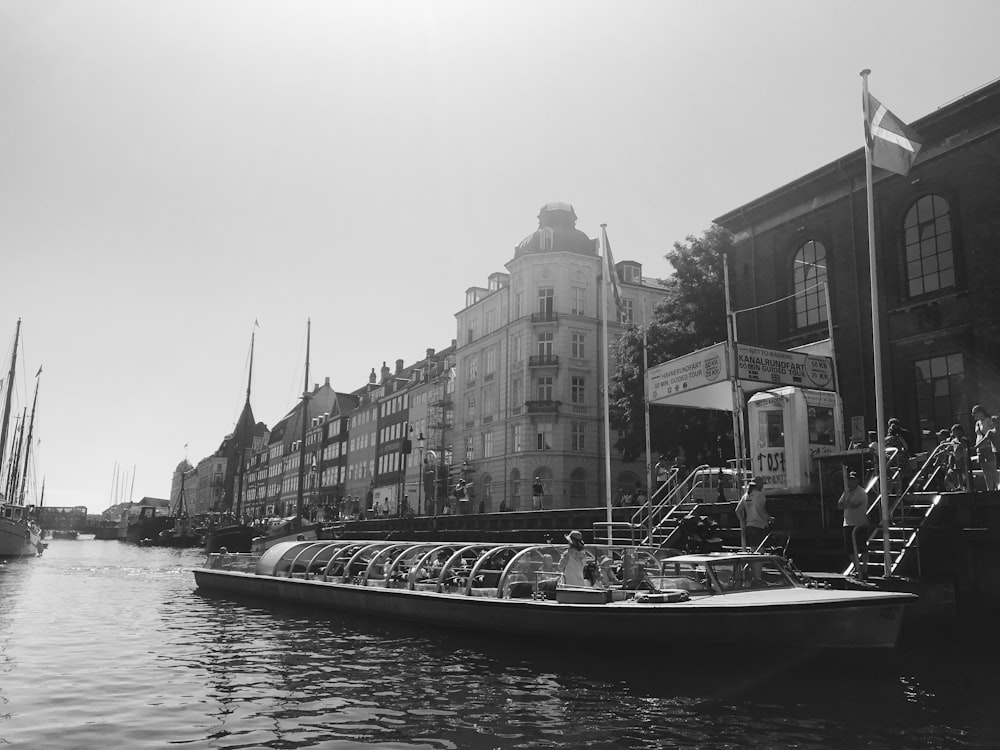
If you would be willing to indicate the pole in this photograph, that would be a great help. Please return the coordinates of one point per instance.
(883, 477)
(645, 407)
(737, 401)
(5, 423)
(604, 357)
(302, 443)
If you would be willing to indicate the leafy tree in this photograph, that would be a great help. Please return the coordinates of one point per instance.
(692, 315)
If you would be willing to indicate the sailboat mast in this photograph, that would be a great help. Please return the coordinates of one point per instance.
(131, 492)
(10, 392)
(305, 417)
(242, 444)
(15, 457)
(27, 447)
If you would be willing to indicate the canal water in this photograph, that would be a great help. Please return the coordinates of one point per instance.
(104, 645)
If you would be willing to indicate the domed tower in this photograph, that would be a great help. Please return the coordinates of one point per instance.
(175, 483)
(556, 232)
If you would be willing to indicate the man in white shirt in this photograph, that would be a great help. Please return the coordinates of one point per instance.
(854, 503)
(751, 511)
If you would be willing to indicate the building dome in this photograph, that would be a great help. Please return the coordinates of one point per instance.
(556, 232)
(183, 466)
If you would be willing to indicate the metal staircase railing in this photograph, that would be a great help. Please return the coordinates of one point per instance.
(909, 514)
(658, 522)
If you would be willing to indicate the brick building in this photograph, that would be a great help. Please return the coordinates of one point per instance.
(937, 240)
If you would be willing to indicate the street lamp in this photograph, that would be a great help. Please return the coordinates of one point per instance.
(421, 441)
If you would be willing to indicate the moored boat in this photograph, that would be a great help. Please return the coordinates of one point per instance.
(515, 589)
(65, 534)
(20, 536)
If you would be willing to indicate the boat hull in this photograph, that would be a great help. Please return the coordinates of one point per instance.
(19, 539)
(807, 621)
(233, 538)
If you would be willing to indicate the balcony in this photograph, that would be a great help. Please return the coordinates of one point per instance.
(543, 360)
(542, 407)
(545, 317)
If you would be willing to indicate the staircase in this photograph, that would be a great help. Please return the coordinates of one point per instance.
(910, 513)
(657, 523)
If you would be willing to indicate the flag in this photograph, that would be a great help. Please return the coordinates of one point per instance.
(893, 145)
(612, 274)
(255, 323)
(39, 371)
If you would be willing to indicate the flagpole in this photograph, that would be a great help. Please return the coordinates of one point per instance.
(645, 410)
(605, 357)
(883, 477)
(736, 388)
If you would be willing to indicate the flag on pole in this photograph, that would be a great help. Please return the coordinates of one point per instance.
(255, 323)
(609, 260)
(894, 146)
(39, 371)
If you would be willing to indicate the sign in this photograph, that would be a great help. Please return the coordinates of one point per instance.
(769, 466)
(695, 370)
(784, 368)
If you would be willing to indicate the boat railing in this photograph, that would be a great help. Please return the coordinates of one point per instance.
(659, 520)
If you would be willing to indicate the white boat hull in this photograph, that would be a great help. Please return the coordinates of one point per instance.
(797, 618)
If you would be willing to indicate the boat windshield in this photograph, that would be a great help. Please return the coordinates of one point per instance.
(684, 575)
(740, 574)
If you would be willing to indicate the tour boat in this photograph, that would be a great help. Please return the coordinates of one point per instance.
(727, 598)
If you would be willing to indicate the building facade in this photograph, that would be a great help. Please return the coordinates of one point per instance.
(937, 231)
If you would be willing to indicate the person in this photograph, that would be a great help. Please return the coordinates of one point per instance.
(662, 471)
(854, 502)
(503, 505)
(537, 492)
(641, 498)
(573, 560)
(751, 511)
(385, 508)
(986, 440)
(960, 462)
(944, 458)
(462, 496)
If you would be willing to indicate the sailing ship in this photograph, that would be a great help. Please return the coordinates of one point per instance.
(179, 532)
(20, 534)
(233, 533)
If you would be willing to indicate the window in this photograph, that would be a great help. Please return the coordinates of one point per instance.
(515, 488)
(491, 321)
(576, 347)
(545, 344)
(631, 274)
(543, 436)
(517, 433)
(519, 304)
(515, 393)
(930, 259)
(487, 445)
(516, 353)
(470, 406)
(473, 369)
(470, 448)
(545, 388)
(576, 436)
(576, 390)
(489, 401)
(546, 300)
(579, 298)
(545, 238)
(578, 485)
(772, 428)
(628, 311)
(809, 284)
(490, 361)
(941, 397)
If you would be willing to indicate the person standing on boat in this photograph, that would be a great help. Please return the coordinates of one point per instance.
(854, 503)
(573, 560)
(751, 511)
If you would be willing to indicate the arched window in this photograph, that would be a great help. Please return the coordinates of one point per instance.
(809, 284)
(930, 259)
(515, 488)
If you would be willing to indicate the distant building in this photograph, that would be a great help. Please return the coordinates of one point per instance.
(937, 232)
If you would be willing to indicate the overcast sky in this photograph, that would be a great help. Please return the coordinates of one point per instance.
(171, 171)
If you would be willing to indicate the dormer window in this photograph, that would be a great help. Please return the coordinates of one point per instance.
(546, 239)
(631, 273)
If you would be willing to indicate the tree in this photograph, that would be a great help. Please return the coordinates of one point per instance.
(692, 315)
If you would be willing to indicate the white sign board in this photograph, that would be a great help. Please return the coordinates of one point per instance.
(784, 368)
(695, 370)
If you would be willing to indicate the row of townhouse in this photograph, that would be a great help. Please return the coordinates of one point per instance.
(517, 395)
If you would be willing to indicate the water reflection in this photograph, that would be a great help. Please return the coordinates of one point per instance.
(129, 650)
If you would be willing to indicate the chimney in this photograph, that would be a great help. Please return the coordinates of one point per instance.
(326, 381)
(399, 367)
(385, 372)
(372, 378)
(454, 343)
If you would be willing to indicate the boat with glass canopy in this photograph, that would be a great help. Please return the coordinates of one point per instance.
(516, 589)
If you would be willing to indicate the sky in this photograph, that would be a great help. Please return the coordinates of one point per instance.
(172, 171)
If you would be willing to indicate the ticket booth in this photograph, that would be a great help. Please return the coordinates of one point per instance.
(789, 428)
